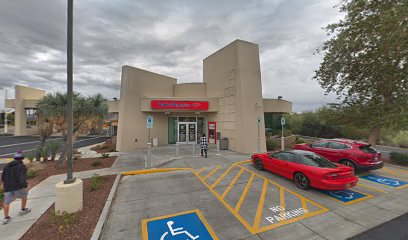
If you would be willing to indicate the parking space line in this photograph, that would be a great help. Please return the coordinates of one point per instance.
(201, 170)
(212, 172)
(369, 187)
(232, 184)
(222, 176)
(258, 215)
(282, 199)
(241, 200)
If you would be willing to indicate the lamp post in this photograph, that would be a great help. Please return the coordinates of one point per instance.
(70, 15)
(5, 112)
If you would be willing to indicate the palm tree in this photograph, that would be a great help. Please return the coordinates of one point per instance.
(88, 112)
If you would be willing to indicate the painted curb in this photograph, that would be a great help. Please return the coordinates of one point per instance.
(153, 170)
(104, 215)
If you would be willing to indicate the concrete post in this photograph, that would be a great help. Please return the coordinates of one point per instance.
(69, 197)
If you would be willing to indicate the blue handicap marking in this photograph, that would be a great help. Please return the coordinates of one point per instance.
(187, 226)
(343, 195)
(392, 182)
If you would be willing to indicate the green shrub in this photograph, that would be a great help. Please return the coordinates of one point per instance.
(270, 145)
(401, 139)
(96, 163)
(53, 147)
(299, 140)
(31, 173)
(43, 151)
(399, 158)
(76, 157)
(105, 155)
(30, 155)
(96, 181)
(63, 221)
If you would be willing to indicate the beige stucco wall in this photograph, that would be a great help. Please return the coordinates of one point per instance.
(24, 95)
(137, 83)
(233, 75)
(190, 90)
(277, 106)
(113, 106)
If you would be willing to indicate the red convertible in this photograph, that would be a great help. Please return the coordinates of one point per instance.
(306, 169)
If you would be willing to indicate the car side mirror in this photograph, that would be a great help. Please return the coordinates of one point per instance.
(311, 145)
(271, 155)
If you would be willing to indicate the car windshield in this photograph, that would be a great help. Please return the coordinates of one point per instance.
(367, 149)
(316, 161)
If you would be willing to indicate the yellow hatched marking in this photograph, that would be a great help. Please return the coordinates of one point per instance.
(241, 200)
(232, 184)
(400, 170)
(304, 204)
(282, 199)
(260, 205)
(201, 170)
(369, 187)
(212, 172)
(390, 172)
(222, 176)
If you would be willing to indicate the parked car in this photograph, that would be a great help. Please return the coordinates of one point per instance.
(358, 155)
(306, 169)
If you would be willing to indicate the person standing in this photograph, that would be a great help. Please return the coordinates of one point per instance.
(204, 145)
(14, 178)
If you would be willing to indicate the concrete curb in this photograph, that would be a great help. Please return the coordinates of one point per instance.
(104, 215)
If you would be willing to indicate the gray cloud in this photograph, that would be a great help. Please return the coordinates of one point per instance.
(168, 37)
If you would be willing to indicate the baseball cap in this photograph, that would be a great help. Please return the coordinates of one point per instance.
(19, 155)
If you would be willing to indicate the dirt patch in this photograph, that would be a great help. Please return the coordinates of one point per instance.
(77, 226)
(46, 169)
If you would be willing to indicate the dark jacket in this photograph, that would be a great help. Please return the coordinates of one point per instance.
(14, 176)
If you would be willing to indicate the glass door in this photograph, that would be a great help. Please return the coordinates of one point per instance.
(182, 133)
(187, 132)
(192, 132)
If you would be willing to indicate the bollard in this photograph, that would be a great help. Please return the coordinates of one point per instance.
(218, 147)
(194, 149)
(148, 157)
(282, 143)
(177, 148)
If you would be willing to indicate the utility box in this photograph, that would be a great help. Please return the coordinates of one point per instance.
(223, 143)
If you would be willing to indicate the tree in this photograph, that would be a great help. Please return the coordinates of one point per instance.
(365, 64)
(87, 114)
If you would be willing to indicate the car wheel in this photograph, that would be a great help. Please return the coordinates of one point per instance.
(258, 164)
(349, 163)
(301, 181)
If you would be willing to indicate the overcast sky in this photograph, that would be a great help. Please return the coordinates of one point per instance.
(168, 37)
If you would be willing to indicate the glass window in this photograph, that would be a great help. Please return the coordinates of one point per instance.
(367, 149)
(285, 156)
(315, 161)
(172, 130)
(320, 144)
(336, 145)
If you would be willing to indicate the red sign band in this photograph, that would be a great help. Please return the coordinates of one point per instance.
(180, 105)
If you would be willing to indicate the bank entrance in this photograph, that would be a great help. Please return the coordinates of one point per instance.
(186, 130)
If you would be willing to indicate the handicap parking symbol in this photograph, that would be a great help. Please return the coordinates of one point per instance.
(189, 225)
(345, 196)
(392, 182)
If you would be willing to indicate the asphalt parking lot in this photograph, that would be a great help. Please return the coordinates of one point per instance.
(235, 201)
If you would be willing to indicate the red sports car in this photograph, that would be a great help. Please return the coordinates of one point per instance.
(307, 169)
(358, 155)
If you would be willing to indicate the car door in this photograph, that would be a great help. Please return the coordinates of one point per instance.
(320, 148)
(280, 163)
(335, 151)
